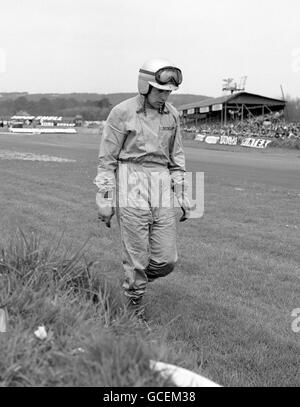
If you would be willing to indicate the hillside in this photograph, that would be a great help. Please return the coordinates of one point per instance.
(114, 98)
(176, 99)
(91, 106)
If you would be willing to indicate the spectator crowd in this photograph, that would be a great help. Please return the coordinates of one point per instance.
(268, 126)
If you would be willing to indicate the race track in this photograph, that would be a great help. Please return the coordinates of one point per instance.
(270, 167)
(267, 167)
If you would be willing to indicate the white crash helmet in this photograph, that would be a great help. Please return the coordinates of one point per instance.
(159, 73)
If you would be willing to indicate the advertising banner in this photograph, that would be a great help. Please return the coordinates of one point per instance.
(199, 137)
(255, 143)
(229, 140)
(217, 107)
(212, 139)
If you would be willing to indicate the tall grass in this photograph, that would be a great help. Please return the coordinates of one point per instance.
(92, 340)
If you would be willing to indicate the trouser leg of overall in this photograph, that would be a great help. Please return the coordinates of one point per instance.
(134, 227)
(148, 246)
(163, 250)
(148, 233)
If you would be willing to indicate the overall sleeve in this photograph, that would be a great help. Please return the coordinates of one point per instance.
(177, 164)
(110, 146)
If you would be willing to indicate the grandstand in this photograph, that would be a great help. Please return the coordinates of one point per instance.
(23, 119)
(233, 107)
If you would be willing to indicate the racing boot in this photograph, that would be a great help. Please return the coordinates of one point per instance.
(135, 307)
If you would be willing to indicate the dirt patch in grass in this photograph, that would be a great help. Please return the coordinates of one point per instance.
(15, 155)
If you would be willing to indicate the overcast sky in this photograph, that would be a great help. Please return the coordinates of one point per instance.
(99, 45)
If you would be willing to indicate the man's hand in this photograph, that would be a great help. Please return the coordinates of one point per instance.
(186, 209)
(180, 188)
(106, 218)
(105, 209)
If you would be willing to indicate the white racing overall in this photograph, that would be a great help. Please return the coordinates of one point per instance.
(140, 158)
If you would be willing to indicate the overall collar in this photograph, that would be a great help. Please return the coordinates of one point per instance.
(141, 108)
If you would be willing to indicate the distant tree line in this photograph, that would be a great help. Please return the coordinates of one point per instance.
(89, 109)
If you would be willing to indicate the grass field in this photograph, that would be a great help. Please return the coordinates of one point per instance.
(225, 312)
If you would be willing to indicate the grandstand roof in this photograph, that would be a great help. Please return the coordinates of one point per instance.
(239, 98)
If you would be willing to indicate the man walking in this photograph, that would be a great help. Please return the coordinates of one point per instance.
(141, 159)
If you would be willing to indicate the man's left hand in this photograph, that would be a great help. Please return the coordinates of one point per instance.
(186, 209)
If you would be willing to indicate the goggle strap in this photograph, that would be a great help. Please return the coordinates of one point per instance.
(147, 72)
(161, 69)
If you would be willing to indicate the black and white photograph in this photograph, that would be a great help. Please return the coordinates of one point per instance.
(149, 197)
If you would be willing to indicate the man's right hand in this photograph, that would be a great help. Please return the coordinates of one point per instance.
(105, 209)
(106, 218)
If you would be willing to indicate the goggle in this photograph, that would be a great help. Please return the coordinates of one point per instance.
(169, 75)
(166, 75)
